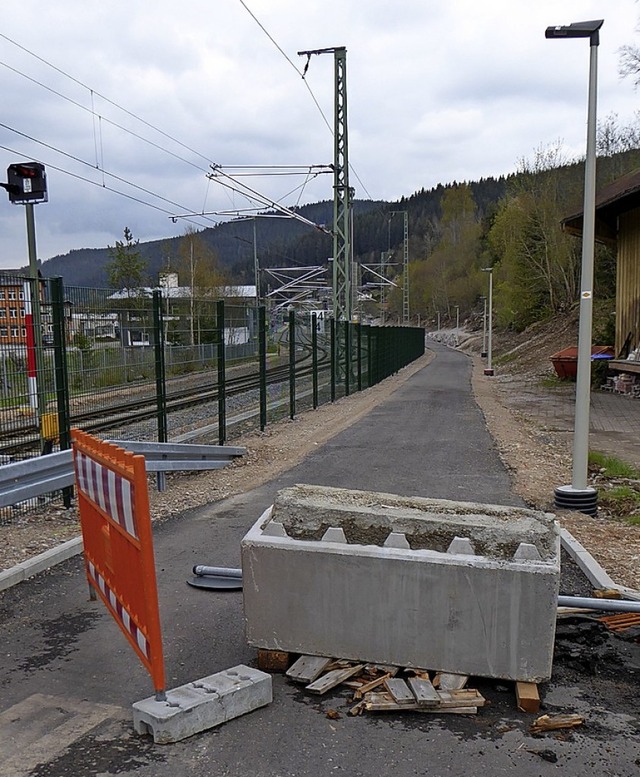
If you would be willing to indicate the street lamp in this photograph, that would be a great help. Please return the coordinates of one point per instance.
(483, 353)
(488, 370)
(580, 496)
(457, 325)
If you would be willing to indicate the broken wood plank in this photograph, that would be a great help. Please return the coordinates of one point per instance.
(463, 698)
(308, 668)
(357, 709)
(553, 722)
(424, 692)
(527, 697)
(452, 682)
(273, 660)
(382, 702)
(399, 690)
(333, 678)
(360, 692)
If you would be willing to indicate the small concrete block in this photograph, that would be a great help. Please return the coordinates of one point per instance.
(527, 552)
(397, 539)
(203, 704)
(461, 546)
(334, 534)
(274, 529)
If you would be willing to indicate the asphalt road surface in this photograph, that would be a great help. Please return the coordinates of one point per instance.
(68, 677)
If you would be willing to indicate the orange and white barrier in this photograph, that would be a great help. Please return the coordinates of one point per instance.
(113, 503)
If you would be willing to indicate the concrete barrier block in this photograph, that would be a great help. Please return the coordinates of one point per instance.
(487, 614)
(202, 704)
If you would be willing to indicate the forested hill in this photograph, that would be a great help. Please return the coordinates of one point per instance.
(286, 242)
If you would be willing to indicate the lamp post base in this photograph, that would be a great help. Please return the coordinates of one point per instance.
(488, 371)
(483, 354)
(584, 500)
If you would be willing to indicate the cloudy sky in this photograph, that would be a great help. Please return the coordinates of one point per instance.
(128, 104)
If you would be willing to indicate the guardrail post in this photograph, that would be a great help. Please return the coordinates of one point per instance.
(262, 364)
(222, 388)
(61, 374)
(292, 364)
(314, 359)
(161, 386)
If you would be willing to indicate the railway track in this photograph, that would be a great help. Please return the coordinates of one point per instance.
(23, 438)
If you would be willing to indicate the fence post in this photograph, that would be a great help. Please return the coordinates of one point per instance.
(292, 364)
(334, 351)
(222, 388)
(314, 359)
(359, 353)
(347, 358)
(161, 386)
(262, 362)
(61, 374)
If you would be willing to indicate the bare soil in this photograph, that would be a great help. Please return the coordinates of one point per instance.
(537, 457)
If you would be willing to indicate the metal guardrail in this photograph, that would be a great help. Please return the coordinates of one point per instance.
(24, 480)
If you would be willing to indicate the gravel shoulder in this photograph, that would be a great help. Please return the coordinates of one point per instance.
(537, 459)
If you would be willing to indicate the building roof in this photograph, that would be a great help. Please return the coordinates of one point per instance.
(184, 292)
(618, 197)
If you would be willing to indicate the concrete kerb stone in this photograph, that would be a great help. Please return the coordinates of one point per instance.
(33, 566)
(595, 574)
(203, 704)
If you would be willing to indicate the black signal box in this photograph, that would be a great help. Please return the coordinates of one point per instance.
(27, 182)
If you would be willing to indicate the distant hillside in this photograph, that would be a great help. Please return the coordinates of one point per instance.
(286, 242)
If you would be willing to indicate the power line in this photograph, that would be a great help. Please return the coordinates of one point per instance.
(103, 97)
(304, 80)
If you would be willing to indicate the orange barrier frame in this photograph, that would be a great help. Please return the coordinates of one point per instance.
(113, 502)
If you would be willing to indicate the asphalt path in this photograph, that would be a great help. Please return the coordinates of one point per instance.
(68, 677)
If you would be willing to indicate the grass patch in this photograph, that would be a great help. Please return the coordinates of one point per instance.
(553, 381)
(612, 467)
(622, 503)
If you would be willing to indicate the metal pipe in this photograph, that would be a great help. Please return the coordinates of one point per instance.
(204, 571)
(611, 605)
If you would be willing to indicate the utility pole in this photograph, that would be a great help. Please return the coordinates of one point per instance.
(342, 194)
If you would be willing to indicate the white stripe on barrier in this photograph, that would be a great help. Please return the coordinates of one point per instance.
(112, 493)
(127, 506)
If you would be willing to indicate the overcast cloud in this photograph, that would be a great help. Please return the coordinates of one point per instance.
(437, 91)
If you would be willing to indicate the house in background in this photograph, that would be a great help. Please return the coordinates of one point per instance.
(13, 329)
(618, 225)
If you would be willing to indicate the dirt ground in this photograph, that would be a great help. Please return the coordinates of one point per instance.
(536, 458)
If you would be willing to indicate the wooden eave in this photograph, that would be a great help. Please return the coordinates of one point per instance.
(619, 197)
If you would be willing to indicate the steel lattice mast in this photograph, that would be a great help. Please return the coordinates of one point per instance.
(342, 194)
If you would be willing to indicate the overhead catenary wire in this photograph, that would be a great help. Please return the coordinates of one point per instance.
(106, 187)
(302, 74)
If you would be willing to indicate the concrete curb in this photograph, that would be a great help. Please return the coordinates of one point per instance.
(37, 564)
(596, 574)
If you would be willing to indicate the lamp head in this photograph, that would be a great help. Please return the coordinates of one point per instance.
(577, 30)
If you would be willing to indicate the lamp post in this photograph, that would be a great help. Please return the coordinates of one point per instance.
(580, 496)
(457, 325)
(483, 353)
(488, 370)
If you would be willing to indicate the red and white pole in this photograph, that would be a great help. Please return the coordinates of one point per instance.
(32, 372)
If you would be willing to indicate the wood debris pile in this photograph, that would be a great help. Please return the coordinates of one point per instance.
(378, 688)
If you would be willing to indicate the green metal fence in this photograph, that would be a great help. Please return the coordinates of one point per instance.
(151, 366)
